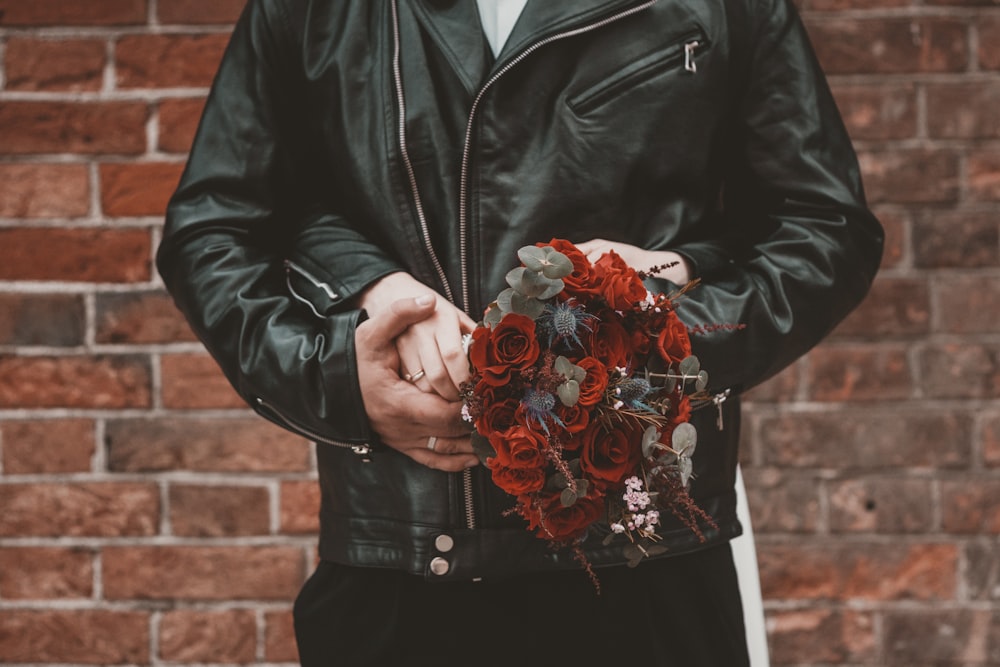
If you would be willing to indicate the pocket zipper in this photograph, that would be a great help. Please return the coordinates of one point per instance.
(362, 450)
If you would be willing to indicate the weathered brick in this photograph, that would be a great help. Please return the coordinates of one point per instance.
(44, 190)
(896, 224)
(838, 5)
(911, 176)
(895, 307)
(779, 389)
(858, 571)
(138, 189)
(84, 255)
(984, 176)
(45, 573)
(891, 45)
(859, 372)
(942, 637)
(228, 637)
(989, 42)
(91, 128)
(782, 502)
(41, 319)
(194, 381)
(217, 511)
(968, 304)
(197, 12)
(72, 12)
(48, 64)
(881, 505)
(74, 382)
(94, 509)
(86, 636)
(202, 573)
(964, 110)
(878, 112)
(982, 571)
(960, 370)
(822, 636)
(991, 439)
(300, 507)
(139, 317)
(178, 121)
(279, 637)
(248, 444)
(168, 61)
(958, 239)
(51, 446)
(867, 439)
(971, 506)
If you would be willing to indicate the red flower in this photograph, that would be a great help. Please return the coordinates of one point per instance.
(552, 521)
(576, 418)
(511, 345)
(611, 343)
(594, 384)
(586, 279)
(673, 342)
(622, 287)
(610, 456)
(518, 447)
(517, 481)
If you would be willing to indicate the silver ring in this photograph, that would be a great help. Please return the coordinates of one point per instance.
(432, 442)
(415, 376)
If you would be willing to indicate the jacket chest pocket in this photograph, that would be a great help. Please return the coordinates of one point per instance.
(681, 55)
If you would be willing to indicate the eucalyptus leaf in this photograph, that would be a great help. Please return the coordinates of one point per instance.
(608, 539)
(554, 287)
(690, 365)
(564, 367)
(533, 257)
(575, 467)
(702, 382)
(656, 550)
(557, 481)
(504, 300)
(649, 439)
(684, 439)
(634, 563)
(686, 468)
(482, 447)
(568, 497)
(527, 306)
(493, 316)
(582, 487)
(632, 552)
(558, 266)
(569, 393)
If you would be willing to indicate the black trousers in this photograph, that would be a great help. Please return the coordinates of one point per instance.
(683, 611)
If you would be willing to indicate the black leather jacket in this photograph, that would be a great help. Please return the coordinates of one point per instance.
(703, 127)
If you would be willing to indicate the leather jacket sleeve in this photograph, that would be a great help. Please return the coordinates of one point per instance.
(803, 247)
(248, 192)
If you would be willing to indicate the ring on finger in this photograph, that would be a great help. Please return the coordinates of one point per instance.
(432, 442)
(414, 377)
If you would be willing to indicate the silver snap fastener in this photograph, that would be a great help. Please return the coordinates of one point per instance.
(440, 566)
(444, 543)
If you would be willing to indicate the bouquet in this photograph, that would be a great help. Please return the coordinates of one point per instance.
(582, 385)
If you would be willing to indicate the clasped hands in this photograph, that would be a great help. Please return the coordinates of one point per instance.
(411, 362)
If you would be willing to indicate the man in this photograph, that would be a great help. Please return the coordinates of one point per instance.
(362, 178)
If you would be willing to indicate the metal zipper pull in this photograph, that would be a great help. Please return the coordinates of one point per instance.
(719, 399)
(689, 64)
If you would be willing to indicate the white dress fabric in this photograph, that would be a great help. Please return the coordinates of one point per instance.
(498, 18)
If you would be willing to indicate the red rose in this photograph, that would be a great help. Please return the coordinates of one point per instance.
(518, 447)
(552, 521)
(610, 456)
(510, 345)
(517, 481)
(594, 384)
(622, 287)
(586, 279)
(576, 418)
(673, 342)
(610, 343)
(496, 412)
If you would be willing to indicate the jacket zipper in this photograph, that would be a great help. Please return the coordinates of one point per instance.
(362, 450)
(291, 267)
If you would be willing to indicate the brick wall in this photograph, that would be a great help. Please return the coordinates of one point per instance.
(146, 517)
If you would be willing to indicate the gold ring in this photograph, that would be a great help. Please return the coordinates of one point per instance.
(432, 442)
(414, 377)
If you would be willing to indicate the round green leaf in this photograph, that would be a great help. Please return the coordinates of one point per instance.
(568, 497)
(569, 392)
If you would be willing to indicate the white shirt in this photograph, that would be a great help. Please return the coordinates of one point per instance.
(498, 18)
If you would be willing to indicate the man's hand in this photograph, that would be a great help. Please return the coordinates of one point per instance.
(641, 260)
(404, 416)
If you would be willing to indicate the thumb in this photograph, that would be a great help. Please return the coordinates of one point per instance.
(387, 325)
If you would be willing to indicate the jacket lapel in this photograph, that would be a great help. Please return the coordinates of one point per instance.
(455, 28)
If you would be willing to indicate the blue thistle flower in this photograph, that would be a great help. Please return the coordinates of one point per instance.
(563, 321)
(631, 392)
(539, 406)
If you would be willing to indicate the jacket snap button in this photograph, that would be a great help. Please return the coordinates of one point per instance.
(439, 566)
(444, 543)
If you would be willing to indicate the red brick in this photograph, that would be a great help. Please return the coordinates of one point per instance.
(49, 446)
(989, 42)
(941, 637)
(41, 319)
(300, 507)
(92, 128)
(968, 303)
(957, 239)
(97, 509)
(896, 224)
(44, 191)
(45, 573)
(168, 61)
(911, 176)
(991, 440)
(984, 176)
(982, 571)
(881, 505)
(199, 12)
(46, 64)
(891, 45)
(74, 382)
(971, 506)
(194, 381)
(960, 370)
(140, 317)
(895, 307)
(138, 189)
(202, 573)
(782, 502)
(71, 12)
(781, 388)
(867, 439)
(279, 637)
(90, 637)
(85, 255)
(858, 571)
(963, 110)
(219, 511)
(837, 5)
(248, 444)
(859, 372)
(878, 112)
(228, 637)
(824, 636)
(178, 122)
